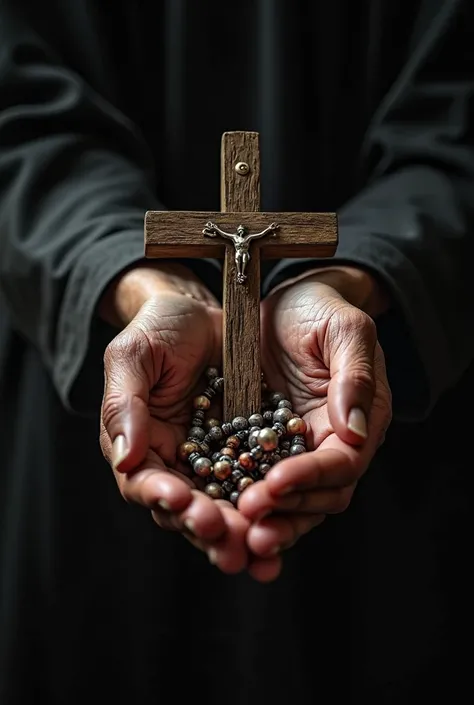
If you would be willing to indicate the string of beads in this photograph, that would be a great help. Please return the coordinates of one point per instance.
(231, 456)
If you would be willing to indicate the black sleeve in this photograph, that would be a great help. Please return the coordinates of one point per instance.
(412, 225)
(75, 182)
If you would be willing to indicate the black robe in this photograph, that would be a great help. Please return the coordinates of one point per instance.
(108, 109)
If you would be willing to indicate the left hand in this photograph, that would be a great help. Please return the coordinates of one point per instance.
(323, 353)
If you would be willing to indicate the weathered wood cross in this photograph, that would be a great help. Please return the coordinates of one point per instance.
(242, 234)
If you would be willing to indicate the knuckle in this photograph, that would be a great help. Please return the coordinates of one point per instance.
(361, 377)
(112, 408)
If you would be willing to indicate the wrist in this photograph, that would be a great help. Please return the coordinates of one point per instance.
(128, 292)
(357, 286)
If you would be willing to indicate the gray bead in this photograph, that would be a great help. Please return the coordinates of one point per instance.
(297, 449)
(264, 468)
(276, 398)
(215, 457)
(227, 429)
(284, 453)
(279, 429)
(256, 420)
(196, 422)
(298, 440)
(236, 475)
(201, 464)
(234, 497)
(282, 416)
(227, 486)
(216, 433)
(240, 423)
(285, 445)
(253, 438)
(217, 384)
(257, 453)
(212, 372)
(268, 417)
(197, 434)
(285, 404)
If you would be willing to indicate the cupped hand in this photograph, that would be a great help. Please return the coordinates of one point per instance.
(323, 353)
(153, 369)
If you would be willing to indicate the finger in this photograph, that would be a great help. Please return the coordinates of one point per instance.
(351, 339)
(128, 363)
(316, 501)
(203, 518)
(265, 570)
(273, 534)
(230, 553)
(153, 486)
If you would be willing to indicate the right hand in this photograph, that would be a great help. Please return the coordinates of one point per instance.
(153, 368)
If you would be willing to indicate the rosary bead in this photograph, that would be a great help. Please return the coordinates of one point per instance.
(256, 420)
(216, 433)
(194, 456)
(214, 490)
(234, 497)
(257, 453)
(186, 448)
(296, 426)
(268, 439)
(197, 434)
(205, 447)
(264, 468)
(240, 423)
(285, 445)
(228, 452)
(202, 467)
(246, 461)
(282, 416)
(285, 404)
(253, 438)
(268, 417)
(210, 423)
(236, 475)
(201, 402)
(199, 414)
(222, 469)
(279, 429)
(298, 440)
(243, 435)
(217, 384)
(212, 372)
(276, 398)
(215, 457)
(243, 483)
(297, 449)
(276, 458)
(196, 421)
(209, 393)
(233, 442)
(227, 429)
(227, 486)
(284, 453)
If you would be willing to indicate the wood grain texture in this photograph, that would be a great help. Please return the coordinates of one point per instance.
(179, 233)
(241, 334)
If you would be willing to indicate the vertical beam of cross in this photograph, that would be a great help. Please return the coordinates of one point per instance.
(240, 192)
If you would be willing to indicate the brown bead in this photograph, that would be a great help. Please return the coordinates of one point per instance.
(243, 483)
(233, 442)
(295, 426)
(201, 402)
(229, 452)
(186, 448)
(212, 422)
(222, 470)
(267, 439)
(214, 490)
(246, 461)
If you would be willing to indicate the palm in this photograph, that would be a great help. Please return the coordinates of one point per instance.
(297, 333)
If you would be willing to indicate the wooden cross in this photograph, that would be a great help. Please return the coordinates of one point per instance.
(198, 234)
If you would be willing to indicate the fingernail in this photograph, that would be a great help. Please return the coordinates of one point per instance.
(286, 490)
(212, 555)
(119, 451)
(164, 505)
(190, 525)
(357, 423)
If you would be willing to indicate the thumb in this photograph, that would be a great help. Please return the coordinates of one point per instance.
(128, 364)
(352, 337)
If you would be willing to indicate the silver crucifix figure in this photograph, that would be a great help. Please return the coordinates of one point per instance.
(241, 239)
